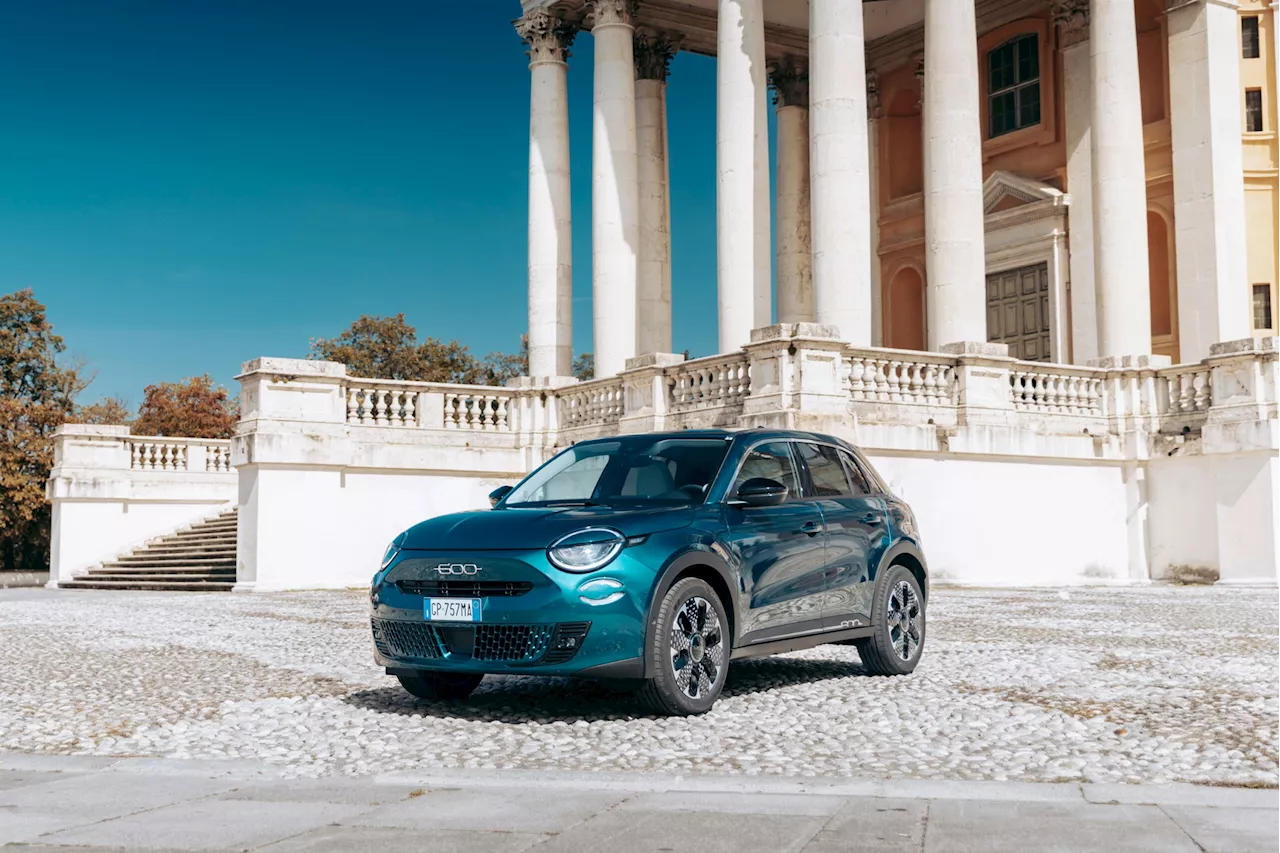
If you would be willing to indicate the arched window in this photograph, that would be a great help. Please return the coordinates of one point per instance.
(1013, 85)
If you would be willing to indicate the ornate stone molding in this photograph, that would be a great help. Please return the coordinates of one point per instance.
(789, 77)
(1072, 18)
(653, 51)
(874, 110)
(612, 12)
(547, 34)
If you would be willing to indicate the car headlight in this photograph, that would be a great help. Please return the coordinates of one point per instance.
(586, 550)
(392, 550)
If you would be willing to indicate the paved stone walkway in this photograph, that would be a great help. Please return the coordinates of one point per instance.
(93, 804)
(1134, 685)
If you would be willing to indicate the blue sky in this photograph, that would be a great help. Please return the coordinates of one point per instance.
(188, 185)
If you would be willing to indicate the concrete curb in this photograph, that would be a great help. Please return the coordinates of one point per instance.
(16, 580)
(1178, 794)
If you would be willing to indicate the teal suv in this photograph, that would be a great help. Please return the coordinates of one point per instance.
(658, 559)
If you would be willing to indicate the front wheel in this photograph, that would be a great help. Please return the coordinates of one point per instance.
(899, 623)
(691, 649)
(441, 685)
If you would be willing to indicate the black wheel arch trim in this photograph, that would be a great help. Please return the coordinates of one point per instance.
(901, 548)
(667, 579)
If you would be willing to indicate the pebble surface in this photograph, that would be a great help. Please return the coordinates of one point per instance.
(1124, 684)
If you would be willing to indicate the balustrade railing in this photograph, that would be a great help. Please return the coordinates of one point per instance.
(1184, 389)
(706, 383)
(179, 454)
(428, 405)
(902, 376)
(595, 403)
(1056, 388)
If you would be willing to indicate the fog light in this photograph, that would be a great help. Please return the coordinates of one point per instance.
(598, 591)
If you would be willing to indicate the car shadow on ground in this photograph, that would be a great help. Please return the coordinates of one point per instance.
(521, 699)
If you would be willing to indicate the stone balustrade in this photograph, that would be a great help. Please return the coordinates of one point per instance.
(902, 376)
(707, 383)
(1057, 389)
(428, 405)
(598, 403)
(179, 454)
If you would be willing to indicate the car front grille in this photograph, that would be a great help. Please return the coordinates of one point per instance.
(407, 640)
(516, 644)
(464, 589)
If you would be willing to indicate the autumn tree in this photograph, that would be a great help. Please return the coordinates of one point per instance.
(584, 367)
(194, 407)
(113, 411)
(36, 395)
(388, 348)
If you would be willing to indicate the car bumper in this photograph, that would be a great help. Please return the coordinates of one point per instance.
(550, 626)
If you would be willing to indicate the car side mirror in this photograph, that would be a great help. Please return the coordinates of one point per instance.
(761, 491)
(498, 494)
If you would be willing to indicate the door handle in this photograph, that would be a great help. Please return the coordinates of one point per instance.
(810, 528)
(871, 518)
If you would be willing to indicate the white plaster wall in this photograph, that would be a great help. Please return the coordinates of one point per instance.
(1182, 523)
(325, 529)
(86, 533)
(996, 522)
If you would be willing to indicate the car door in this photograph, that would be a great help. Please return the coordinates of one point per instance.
(779, 550)
(856, 532)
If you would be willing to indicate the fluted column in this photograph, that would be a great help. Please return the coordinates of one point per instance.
(550, 250)
(874, 114)
(838, 157)
(790, 80)
(615, 225)
(742, 173)
(1121, 274)
(1208, 175)
(653, 52)
(955, 251)
(1072, 17)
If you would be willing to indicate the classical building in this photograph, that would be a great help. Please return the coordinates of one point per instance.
(1026, 259)
(947, 171)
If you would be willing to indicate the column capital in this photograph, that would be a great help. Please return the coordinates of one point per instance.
(789, 77)
(653, 51)
(613, 13)
(874, 110)
(1072, 18)
(547, 34)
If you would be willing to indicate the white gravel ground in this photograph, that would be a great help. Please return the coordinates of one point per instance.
(1151, 684)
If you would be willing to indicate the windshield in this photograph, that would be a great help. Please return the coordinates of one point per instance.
(639, 469)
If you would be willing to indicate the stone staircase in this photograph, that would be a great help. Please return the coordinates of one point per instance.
(201, 558)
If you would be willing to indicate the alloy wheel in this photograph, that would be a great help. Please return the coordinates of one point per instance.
(905, 620)
(697, 647)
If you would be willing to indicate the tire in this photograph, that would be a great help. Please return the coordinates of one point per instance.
(893, 649)
(691, 648)
(435, 686)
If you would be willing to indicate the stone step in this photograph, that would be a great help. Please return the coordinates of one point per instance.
(162, 570)
(176, 575)
(188, 586)
(194, 540)
(170, 550)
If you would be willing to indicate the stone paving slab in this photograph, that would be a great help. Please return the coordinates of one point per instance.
(163, 806)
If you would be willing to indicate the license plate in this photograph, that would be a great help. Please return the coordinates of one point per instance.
(451, 609)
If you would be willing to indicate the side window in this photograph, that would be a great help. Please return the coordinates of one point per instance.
(825, 470)
(861, 486)
(772, 461)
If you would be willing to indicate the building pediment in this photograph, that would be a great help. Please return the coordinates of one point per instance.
(1006, 191)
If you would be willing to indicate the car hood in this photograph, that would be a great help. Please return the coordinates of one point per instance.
(523, 529)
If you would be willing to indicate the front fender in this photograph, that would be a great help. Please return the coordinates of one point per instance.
(675, 567)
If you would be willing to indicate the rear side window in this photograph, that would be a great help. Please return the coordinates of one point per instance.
(826, 472)
(861, 485)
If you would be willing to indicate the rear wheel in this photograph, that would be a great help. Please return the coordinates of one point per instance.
(899, 625)
(691, 649)
(440, 685)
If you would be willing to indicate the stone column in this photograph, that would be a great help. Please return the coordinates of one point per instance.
(790, 80)
(615, 225)
(1073, 29)
(838, 154)
(550, 255)
(742, 173)
(955, 251)
(874, 114)
(1208, 175)
(1121, 275)
(653, 52)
